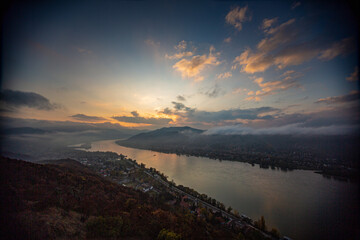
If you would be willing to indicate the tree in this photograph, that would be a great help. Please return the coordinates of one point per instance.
(165, 234)
(236, 213)
(274, 232)
(229, 209)
(110, 227)
(260, 224)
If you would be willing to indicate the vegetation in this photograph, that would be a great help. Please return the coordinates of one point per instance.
(67, 200)
(168, 235)
(105, 227)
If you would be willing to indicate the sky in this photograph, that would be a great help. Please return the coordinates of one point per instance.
(229, 66)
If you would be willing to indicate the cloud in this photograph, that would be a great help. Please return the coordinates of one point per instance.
(193, 115)
(179, 110)
(188, 115)
(277, 36)
(290, 129)
(240, 90)
(337, 115)
(178, 106)
(352, 96)
(179, 55)
(137, 119)
(193, 67)
(232, 114)
(152, 43)
(261, 61)
(83, 50)
(17, 99)
(180, 98)
(237, 16)
(295, 55)
(224, 75)
(182, 45)
(87, 118)
(354, 76)
(253, 98)
(342, 47)
(267, 23)
(166, 111)
(268, 88)
(334, 117)
(135, 113)
(337, 120)
(227, 40)
(252, 63)
(181, 107)
(214, 91)
(295, 5)
(285, 45)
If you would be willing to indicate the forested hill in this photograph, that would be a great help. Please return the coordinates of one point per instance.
(65, 200)
(169, 135)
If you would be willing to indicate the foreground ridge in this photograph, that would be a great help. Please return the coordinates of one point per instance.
(65, 199)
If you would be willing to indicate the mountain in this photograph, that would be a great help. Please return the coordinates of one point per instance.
(23, 130)
(163, 136)
(65, 200)
(166, 133)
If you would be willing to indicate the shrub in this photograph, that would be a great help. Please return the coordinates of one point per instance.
(168, 235)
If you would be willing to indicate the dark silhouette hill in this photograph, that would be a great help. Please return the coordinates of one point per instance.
(65, 200)
(170, 134)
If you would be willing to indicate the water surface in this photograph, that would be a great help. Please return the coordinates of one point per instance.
(301, 204)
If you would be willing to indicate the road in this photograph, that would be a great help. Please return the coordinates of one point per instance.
(215, 209)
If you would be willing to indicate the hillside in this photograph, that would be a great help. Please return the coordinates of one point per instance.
(64, 199)
(166, 135)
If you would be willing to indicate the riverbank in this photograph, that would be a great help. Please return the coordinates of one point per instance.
(340, 173)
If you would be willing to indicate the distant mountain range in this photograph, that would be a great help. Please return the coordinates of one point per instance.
(23, 130)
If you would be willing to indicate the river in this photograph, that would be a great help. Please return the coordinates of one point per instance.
(300, 203)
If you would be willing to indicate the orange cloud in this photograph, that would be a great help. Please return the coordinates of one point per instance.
(237, 16)
(280, 48)
(193, 67)
(224, 75)
(253, 98)
(272, 87)
(179, 55)
(253, 62)
(133, 125)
